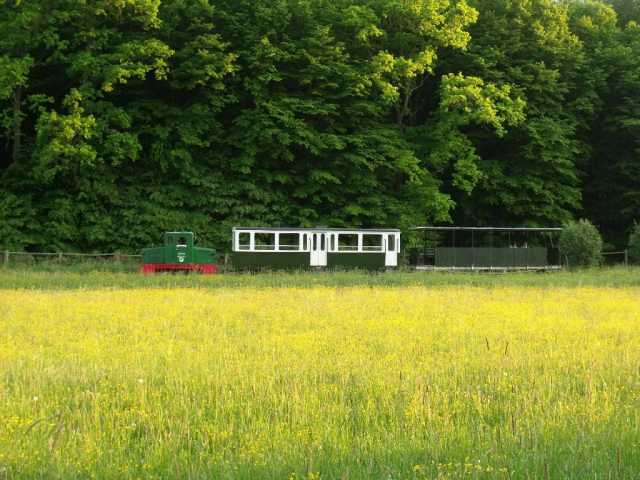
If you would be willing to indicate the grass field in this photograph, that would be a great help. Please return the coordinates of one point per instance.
(105, 275)
(332, 378)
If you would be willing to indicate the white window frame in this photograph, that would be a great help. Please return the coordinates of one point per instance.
(374, 248)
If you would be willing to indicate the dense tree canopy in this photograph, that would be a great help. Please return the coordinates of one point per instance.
(120, 119)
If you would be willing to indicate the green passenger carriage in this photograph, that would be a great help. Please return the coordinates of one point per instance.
(257, 248)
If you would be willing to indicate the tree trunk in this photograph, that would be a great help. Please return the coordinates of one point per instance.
(17, 124)
(402, 109)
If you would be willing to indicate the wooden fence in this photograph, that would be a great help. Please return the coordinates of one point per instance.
(617, 257)
(62, 256)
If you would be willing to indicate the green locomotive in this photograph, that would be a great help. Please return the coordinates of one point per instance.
(179, 253)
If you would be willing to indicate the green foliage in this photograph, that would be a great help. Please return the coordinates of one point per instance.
(15, 227)
(612, 187)
(580, 244)
(634, 243)
(120, 119)
(13, 74)
(528, 174)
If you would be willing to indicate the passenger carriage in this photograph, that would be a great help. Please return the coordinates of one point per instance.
(300, 248)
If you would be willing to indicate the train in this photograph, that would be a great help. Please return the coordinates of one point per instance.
(374, 249)
(263, 248)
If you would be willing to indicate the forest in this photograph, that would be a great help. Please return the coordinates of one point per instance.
(120, 119)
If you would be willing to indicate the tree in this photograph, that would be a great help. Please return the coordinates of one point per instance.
(123, 118)
(580, 244)
(612, 181)
(528, 175)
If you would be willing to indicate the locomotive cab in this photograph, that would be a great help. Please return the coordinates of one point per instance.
(179, 247)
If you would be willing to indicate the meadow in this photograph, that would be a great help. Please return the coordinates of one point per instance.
(98, 275)
(319, 377)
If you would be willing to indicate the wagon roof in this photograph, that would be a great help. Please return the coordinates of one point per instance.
(492, 229)
(318, 229)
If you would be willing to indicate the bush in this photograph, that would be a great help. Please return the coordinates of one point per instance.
(581, 244)
(634, 243)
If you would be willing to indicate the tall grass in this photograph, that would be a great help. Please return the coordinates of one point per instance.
(318, 382)
(87, 277)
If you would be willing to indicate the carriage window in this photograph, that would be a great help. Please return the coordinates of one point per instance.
(372, 243)
(322, 242)
(304, 242)
(392, 243)
(244, 241)
(315, 241)
(347, 242)
(332, 242)
(182, 241)
(289, 241)
(265, 241)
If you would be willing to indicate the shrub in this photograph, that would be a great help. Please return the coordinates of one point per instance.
(581, 244)
(634, 243)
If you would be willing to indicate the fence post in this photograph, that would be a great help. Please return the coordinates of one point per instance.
(116, 257)
(6, 257)
(626, 257)
(60, 256)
